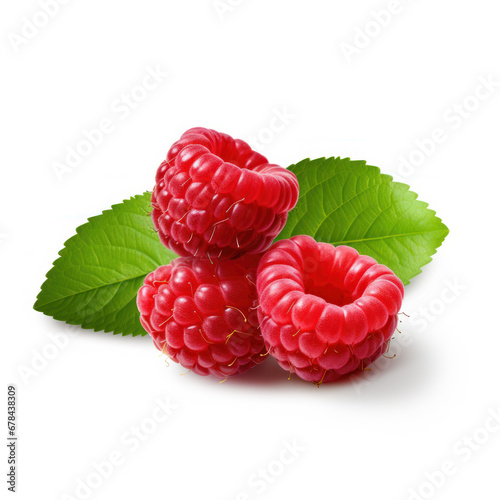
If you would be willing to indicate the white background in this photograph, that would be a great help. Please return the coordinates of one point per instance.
(233, 70)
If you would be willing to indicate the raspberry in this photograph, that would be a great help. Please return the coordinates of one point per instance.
(202, 314)
(215, 196)
(325, 311)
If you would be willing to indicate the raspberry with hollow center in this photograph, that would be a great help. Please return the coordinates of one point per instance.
(202, 314)
(325, 311)
(215, 196)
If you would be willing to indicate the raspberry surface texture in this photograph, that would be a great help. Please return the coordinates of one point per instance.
(203, 314)
(214, 196)
(325, 311)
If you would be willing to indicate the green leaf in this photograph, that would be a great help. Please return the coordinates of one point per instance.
(95, 280)
(346, 202)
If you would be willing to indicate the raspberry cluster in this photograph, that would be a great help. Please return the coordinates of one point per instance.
(215, 197)
(230, 300)
(325, 311)
(203, 314)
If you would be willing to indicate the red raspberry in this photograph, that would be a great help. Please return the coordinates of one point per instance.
(215, 196)
(202, 314)
(325, 311)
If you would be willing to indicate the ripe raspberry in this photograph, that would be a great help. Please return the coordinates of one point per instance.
(203, 314)
(325, 311)
(215, 196)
